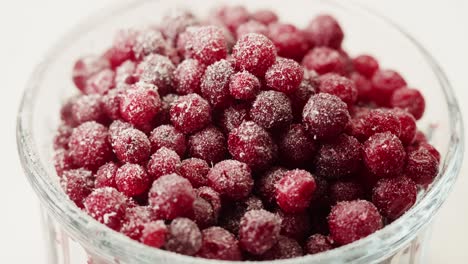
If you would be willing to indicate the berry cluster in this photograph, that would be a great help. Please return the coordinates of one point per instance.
(241, 138)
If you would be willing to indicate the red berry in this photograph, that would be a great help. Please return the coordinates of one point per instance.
(345, 191)
(206, 44)
(306, 89)
(111, 103)
(149, 41)
(296, 148)
(175, 22)
(105, 175)
(259, 231)
(251, 26)
(325, 116)
(163, 117)
(231, 179)
(318, 243)
(132, 180)
(77, 184)
(125, 73)
(339, 86)
(380, 121)
(295, 226)
(324, 60)
(212, 197)
(215, 84)
(194, 170)
(157, 70)
(363, 86)
(117, 127)
(285, 75)
(351, 221)
(101, 82)
(384, 84)
(66, 113)
(188, 76)
(202, 213)
(135, 220)
(169, 137)
(285, 248)
(184, 237)
(122, 47)
(107, 205)
(264, 16)
(290, 42)
(163, 161)
(393, 197)
(85, 68)
(294, 191)
(140, 104)
(265, 185)
(339, 158)
(432, 150)
(272, 110)
(218, 243)
(408, 126)
(365, 65)
(254, 53)
(190, 113)
(154, 234)
(131, 145)
(232, 16)
(234, 211)
(62, 137)
(324, 30)
(63, 161)
(410, 100)
(208, 144)
(421, 166)
(88, 108)
(89, 145)
(233, 116)
(244, 86)
(384, 155)
(253, 145)
(171, 196)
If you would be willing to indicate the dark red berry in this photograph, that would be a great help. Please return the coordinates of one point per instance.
(351, 221)
(215, 84)
(62, 137)
(77, 184)
(339, 86)
(296, 148)
(264, 16)
(175, 22)
(233, 116)
(285, 75)
(259, 231)
(295, 226)
(363, 86)
(294, 191)
(251, 26)
(163, 161)
(131, 145)
(169, 137)
(135, 220)
(431, 149)
(324, 60)
(232, 16)
(272, 110)
(365, 65)
(408, 126)
(122, 47)
(265, 185)
(421, 166)
(63, 161)
(171, 196)
(111, 103)
(231, 179)
(244, 86)
(184, 237)
(384, 84)
(149, 41)
(285, 248)
(188, 76)
(380, 121)
(290, 42)
(202, 213)
(393, 197)
(218, 243)
(66, 113)
(208, 144)
(85, 68)
(212, 197)
(157, 70)
(234, 210)
(154, 234)
(345, 191)
(318, 243)
(107, 205)
(206, 44)
(324, 30)
(140, 104)
(410, 100)
(307, 88)
(254, 53)
(190, 113)
(88, 108)
(132, 180)
(105, 175)
(194, 170)
(384, 155)
(163, 117)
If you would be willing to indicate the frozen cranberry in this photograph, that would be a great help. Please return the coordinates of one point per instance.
(88, 108)
(63, 161)
(284, 75)
(234, 210)
(346, 191)
(135, 220)
(66, 113)
(125, 73)
(231, 179)
(363, 86)
(272, 110)
(132, 180)
(163, 161)
(77, 184)
(154, 234)
(384, 155)
(339, 158)
(318, 243)
(325, 116)
(202, 213)
(290, 42)
(251, 26)
(295, 226)
(324, 60)
(122, 47)
(187, 76)
(431, 149)
(218, 243)
(175, 22)
(208, 144)
(131, 145)
(232, 16)
(107, 205)
(410, 100)
(215, 84)
(194, 170)
(233, 116)
(117, 127)
(169, 137)
(259, 231)
(190, 113)
(62, 137)
(184, 237)
(212, 197)
(140, 104)
(85, 68)
(265, 185)
(163, 117)
(171, 196)
(324, 30)
(89, 145)
(253, 145)
(244, 85)
(294, 191)
(285, 248)
(206, 44)
(264, 16)
(384, 84)
(339, 86)
(421, 166)
(157, 70)
(393, 197)
(365, 65)
(101, 82)
(254, 53)
(408, 126)
(379, 121)
(306, 89)
(351, 221)
(296, 148)
(105, 175)
(149, 41)
(111, 103)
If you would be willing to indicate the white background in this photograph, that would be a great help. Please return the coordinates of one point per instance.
(28, 28)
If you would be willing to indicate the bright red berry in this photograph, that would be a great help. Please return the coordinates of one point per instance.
(107, 205)
(231, 179)
(294, 191)
(393, 197)
(254, 53)
(285, 75)
(259, 231)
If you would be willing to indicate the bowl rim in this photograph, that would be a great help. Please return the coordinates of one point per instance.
(107, 242)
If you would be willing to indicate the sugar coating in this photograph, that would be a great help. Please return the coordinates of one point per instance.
(284, 249)
(125, 73)
(251, 26)
(252, 144)
(208, 144)
(132, 179)
(131, 145)
(105, 175)
(393, 197)
(66, 111)
(379, 121)
(206, 44)
(86, 67)
(421, 166)
(324, 60)
(244, 85)
(296, 226)
(265, 184)
(111, 103)
(232, 16)
(188, 76)
(233, 116)
(218, 243)
(122, 47)
(296, 147)
(231, 179)
(384, 155)
(290, 42)
(431, 149)
(158, 70)
(190, 113)
(88, 108)
(324, 30)
(264, 16)
(135, 220)
(184, 237)
(63, 161)
(101, 82)
(107, 205)
(212, 197)
(154, 234)
(384, 84)
(163, 161)
(77, 184)
(307, 88)
(366, 65)
(254, 53)
(259, 231)
(294, 191)
(169, 137)
(194, 170)
(235, 210)
(410, 100)
(202, 213)
(363, 86)
(271, 110)
(62, 136)
(351, 221)
(339, 86)
(215, 84)
(346, 191)
(318, 243)
(149, 41)
(140, 104)
(285, 75)
(163, 117)
(175, 22)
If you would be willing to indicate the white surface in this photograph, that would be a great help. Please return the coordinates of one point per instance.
(28, 28)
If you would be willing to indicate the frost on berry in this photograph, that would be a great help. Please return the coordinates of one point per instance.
(206, 44)
(295, 226)
(107, 205)
(410, 100)
(290, 42)
(232, 16)
(379, 121)
(154, 234)
(318, 243)
(285, 75)
(163, 117)
(175, 22)
(157, 70)
(294, 191)
(324, 30)
(131, 145)
(132, 179)
(169, 137)
(77, 184)
(307, 88)
(194, 170)
(254, 53)
(171, 196)
(251, 26)
(202, 213)
(140, 104)
(231, 179)
(421, 166)
(184, 237)
(324, 60)
(85, 68)
(190, 113)
(393, 197)
(215, 84)
(105, 175)
(208, 144)
(384, 84)
(149, 41)
(125, 73)
(88, 108)
(135, 220)
(253, 145)
(62, 136)
(285, 248)
(265, 184)
(66, 114)
(384, 155)
(188, 76)
(339, 86)
(213, 197)
(365, 65)
(244, 86)
(259, 231)
(233, 211)
(296, 147)
(233, 116)
(122, 47)
(271, 110)
(407, 125)
(163, 161)
(111, 103)
(218, 243)
(63, 161)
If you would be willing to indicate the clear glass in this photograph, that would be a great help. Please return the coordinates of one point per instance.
(72, 235)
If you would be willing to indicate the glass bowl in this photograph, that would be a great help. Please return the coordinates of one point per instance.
(74, 237)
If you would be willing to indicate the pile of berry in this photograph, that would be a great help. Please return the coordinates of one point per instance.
(239, 137)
